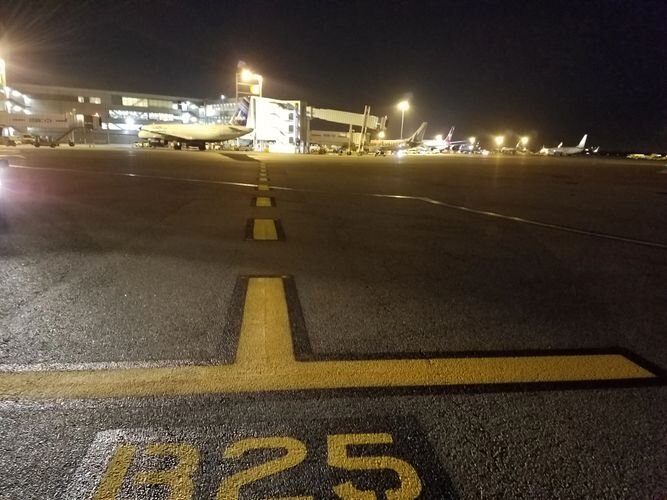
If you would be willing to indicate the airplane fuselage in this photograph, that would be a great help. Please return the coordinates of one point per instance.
(193, 132)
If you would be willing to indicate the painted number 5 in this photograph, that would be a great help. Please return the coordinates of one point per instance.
(410, 486)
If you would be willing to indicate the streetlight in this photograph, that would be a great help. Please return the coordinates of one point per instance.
(524, 141)
(500, 139)
(472, 140)
(251, 83)
(246, 75)
(3, 77)
(403, 106)
(381, 134)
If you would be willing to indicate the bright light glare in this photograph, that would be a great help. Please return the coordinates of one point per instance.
(524, 140)
(400, 153)
(500, 139)
(403, 105)
(246, 75)
(472, 140)
(222, 97)
(381, 134)
(438, 137)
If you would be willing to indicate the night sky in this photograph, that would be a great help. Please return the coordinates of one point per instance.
(552, 69)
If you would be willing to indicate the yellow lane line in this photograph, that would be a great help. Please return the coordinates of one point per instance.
(262, 187)
(265, 338)
(265, 362)
(264, 229)
(292, 375)
(263, 201)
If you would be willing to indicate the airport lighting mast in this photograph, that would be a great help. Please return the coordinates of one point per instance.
(3, 84)
(403, 106)
(248, 83)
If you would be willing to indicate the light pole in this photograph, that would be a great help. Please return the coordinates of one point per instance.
(3, 86)
(249, 83)
(403, 106)
(524, 141)
(500, 140)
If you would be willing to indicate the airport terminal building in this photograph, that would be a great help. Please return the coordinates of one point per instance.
(121, 113)
(64, 114)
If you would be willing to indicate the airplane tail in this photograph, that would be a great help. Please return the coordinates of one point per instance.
(241, 115)
(582, 143)
(418, 136)
(450, 134)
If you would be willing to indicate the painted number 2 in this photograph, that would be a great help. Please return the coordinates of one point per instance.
(230, 488)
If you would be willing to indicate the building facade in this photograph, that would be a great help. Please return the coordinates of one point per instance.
(121, 113)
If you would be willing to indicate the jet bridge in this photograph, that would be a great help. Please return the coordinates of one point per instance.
(57, 126)
(365, 121)
(347, 118)
(284, 125)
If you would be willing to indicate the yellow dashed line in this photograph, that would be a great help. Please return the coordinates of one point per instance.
(263, 201)
(262, 187)
(264, 229)
(265, 362)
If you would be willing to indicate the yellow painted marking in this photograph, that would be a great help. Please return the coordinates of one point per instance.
(263, 178)
(113, 478)
(230, 488)
(338, 456)
(262, 187)
(263, 201)
(178, 479)
(264, 229)
(266, 363)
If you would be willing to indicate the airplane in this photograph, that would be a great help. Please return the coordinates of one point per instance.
(197, 134)
(561, 150)
(380, 146)
(443, 144)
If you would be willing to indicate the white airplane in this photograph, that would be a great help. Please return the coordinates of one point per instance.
(561, 150)
(382, 145)
(192, 134)
(443, 144)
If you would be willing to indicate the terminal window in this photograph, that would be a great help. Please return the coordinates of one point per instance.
(96, 100)
(81, 99)
(144, 102)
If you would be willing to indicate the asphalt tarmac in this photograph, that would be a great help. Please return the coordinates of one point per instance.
(185, 324)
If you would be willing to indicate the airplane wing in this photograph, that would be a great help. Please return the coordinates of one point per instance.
(154, 134)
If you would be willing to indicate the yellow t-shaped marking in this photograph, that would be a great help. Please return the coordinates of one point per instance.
(265, 338)
(265, 362)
